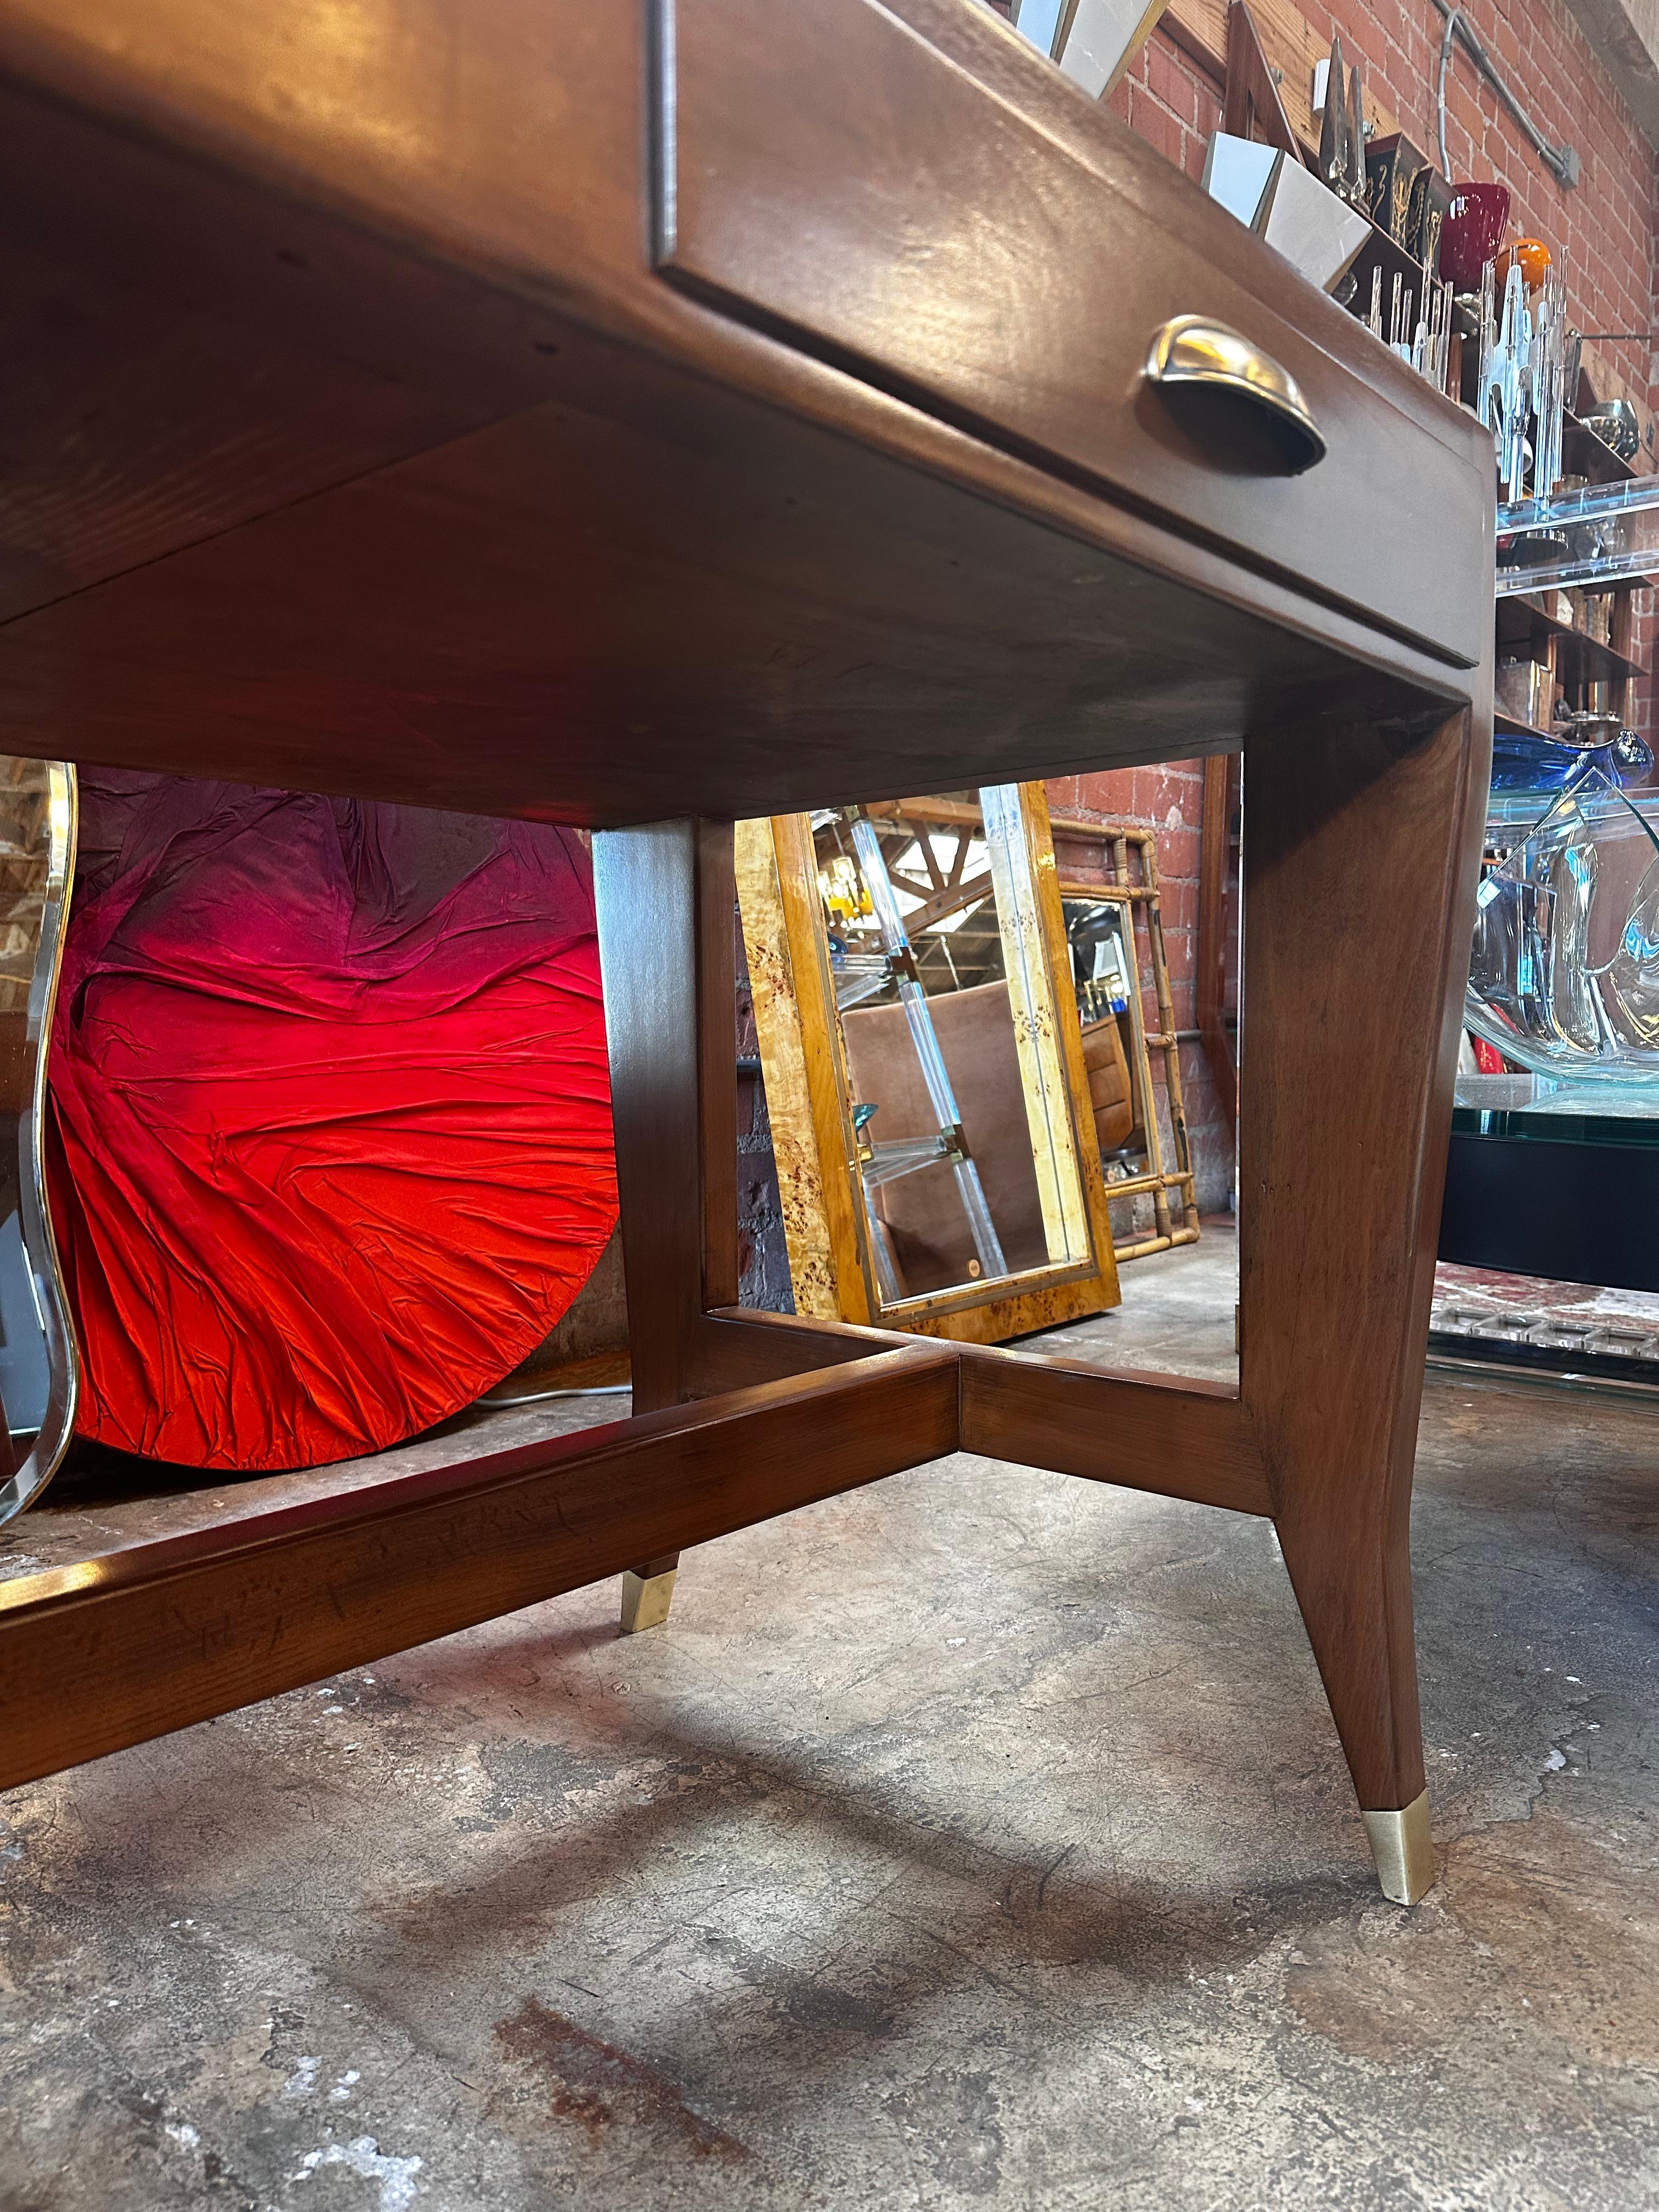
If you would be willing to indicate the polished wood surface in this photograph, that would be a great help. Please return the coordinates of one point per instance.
(127, 1647)
(1176, 1437)
(674, 1090)
(672, 1042)
(1157, 1433)
(1343, 1123)
(358, 446)
(380, 424)
(770, 205)
(645, 893)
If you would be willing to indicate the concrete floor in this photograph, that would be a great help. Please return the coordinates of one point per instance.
(979, 1839)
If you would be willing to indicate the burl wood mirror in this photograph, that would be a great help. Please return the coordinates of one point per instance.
(925, 1066)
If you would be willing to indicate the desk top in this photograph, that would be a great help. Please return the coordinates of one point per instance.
(498, 407)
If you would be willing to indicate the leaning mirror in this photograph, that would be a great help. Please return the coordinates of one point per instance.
(925, 1066)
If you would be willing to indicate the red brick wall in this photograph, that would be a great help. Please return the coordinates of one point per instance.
(1602, 233)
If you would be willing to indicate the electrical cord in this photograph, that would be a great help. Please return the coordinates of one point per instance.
(1561, 161)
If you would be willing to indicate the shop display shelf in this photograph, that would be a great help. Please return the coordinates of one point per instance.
(1555, 1178)
(1505, 725)
(1584, 454)
(1525, 625)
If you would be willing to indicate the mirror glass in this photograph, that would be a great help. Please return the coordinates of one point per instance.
(960, 1118)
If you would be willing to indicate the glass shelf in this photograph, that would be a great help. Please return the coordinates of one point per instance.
(1605, 534)
(1544, 1110)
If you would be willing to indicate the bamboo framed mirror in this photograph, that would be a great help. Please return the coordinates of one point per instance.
(1112, 903)
(924, 1064)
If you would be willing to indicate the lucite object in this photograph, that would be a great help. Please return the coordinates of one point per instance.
(39, 1364)
(1604, 534)
(1521, 383)
(1546, 1107)
(1528, 772)
(1558, 1177)
(1565, 973)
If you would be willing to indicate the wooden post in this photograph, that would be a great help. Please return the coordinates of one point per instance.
(1353, 977)
(1213, 946)
(663, 890)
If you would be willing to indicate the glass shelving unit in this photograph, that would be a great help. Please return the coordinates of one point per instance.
(1554, 1171)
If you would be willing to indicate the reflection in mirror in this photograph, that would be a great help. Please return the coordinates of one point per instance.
(969, 1046)
(935, 945)
(38, 1364)
(918, 1038)
(896, 1060)
(1179, 1295)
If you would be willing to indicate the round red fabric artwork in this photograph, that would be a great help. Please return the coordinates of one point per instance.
(329, 1143)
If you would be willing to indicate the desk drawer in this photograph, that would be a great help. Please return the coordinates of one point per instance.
(827, 174)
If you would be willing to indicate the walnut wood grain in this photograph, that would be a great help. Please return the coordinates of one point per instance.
(1173, 1436)
(399, 472)
(646, 895)
(740, 1346)
(716, 1101)
(143, 1640)
(1352, 1017)
(672, 1031)
(771, 209)
(359, 445)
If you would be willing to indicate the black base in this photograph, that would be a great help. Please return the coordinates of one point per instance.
(1543, 1359)
(1572, 1213)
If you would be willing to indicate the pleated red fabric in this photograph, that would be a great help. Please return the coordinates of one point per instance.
(329, 1140)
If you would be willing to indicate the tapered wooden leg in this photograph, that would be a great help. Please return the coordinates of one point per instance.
(666, 896)
(1361, 855)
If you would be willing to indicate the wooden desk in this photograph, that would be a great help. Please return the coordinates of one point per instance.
(653, 415)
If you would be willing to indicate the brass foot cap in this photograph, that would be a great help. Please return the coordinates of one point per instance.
(645, 1601)
(1404, 1853)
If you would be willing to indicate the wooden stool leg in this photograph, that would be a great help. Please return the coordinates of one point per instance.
(666, 896)
(1361, 855)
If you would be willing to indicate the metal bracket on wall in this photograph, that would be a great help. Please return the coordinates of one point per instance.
(1561, 161)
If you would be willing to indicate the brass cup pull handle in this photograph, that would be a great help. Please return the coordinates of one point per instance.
(1192, 355)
